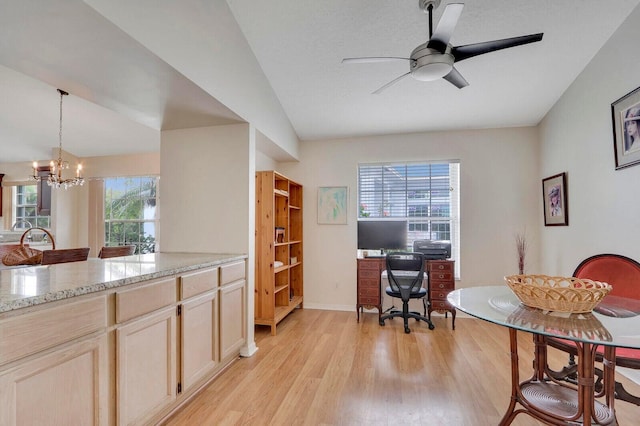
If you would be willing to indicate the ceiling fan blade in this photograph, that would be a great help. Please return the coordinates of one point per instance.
(454, 77)
(392, 82)
(470, 50)
(441, 36)
(370, 59)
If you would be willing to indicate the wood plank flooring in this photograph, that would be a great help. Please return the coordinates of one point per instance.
(324, 368)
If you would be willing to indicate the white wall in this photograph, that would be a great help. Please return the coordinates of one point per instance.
(577, 138)
(204, 189)
(202, 40)
(499, 197)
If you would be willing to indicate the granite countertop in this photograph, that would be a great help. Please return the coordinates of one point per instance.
(30, 286)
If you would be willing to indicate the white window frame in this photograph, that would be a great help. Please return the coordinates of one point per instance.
(404, 198)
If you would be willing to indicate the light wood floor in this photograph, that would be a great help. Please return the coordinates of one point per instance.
(324, 368)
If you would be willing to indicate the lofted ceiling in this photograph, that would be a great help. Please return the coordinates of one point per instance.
(120, 92)
(300, 45)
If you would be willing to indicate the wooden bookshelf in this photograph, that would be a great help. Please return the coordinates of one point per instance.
(279, 289)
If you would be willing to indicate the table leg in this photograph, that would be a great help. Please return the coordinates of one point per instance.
(515, 379)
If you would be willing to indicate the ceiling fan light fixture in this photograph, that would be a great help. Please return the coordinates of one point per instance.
(431, 71)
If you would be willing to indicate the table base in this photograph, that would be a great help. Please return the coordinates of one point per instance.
(559, 403)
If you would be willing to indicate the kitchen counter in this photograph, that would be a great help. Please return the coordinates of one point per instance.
(29, 286)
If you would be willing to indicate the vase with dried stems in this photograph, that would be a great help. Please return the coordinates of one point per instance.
(521, 247)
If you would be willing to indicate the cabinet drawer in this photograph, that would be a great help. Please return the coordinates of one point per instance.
(443, 285)
(373, 274)
(232, 272)
(440, 304)
(440, 266)
(198, 282)
(369, 291)
(369, 300)
(27, 334)
(442, 276)
(369, 264)
(438, 294)
(375, 284)
(145, 299)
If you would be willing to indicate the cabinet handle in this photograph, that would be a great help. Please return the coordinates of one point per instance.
(440, 266)
(441, 276)
(441, 285)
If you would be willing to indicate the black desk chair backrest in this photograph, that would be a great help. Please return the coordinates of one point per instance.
(405, 273)
(404, 283)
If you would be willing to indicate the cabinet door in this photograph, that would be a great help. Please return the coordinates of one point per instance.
(199, 327)
(232, 318)
(146, 366)
(68, 386)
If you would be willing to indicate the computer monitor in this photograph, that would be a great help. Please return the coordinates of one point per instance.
(387, 234)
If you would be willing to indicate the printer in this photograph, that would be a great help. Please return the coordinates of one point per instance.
(433, 249)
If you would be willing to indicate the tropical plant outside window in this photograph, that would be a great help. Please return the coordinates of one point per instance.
(26, 208)
(130, 212)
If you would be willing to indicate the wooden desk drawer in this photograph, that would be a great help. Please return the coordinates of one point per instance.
(443, 285)
(198, 282)
(370, 264)
(369, 291)
(439, 294)
(369, 301)
(143, 300)
(440, 304)
(373, 274)
(440, 266)
(442, 276)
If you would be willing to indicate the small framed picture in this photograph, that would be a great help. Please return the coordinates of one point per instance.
(332, 205)
(625, 114)
(554, 195)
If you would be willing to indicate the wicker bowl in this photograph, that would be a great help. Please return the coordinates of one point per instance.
(559, 294)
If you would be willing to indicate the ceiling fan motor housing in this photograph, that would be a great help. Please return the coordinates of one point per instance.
(429, 64)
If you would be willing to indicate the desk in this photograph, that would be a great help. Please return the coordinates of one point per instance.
(542, 397)
(439, 274)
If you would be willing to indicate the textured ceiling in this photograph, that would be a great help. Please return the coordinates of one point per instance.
(300, 45)
(121, 92)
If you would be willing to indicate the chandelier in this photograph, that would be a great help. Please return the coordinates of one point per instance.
(55, 179)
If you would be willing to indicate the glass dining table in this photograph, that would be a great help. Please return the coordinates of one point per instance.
(542, 396)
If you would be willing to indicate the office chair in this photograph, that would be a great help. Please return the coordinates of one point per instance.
(50, 257)
(116, 251)
(405, 272)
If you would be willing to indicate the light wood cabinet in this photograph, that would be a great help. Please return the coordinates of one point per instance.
(146, 366)
(199, 328)
(279, 254)
(124, 356)
(67, 386)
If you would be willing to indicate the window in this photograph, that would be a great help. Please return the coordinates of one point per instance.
(26, 207)
(426, 194)
(130, 212)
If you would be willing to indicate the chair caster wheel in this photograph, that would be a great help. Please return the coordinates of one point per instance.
(431, 326)
(381, 323)
(407, 330)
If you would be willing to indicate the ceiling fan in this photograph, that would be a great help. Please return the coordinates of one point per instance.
(435, 58)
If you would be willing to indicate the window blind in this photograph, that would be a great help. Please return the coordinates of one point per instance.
(427, 194)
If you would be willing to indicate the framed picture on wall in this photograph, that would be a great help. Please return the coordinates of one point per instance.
(625, 114)
(554, 195)
(332, 205)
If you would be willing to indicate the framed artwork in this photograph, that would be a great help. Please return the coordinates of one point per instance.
(332, 205)
(625, 114)
(554, 195)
